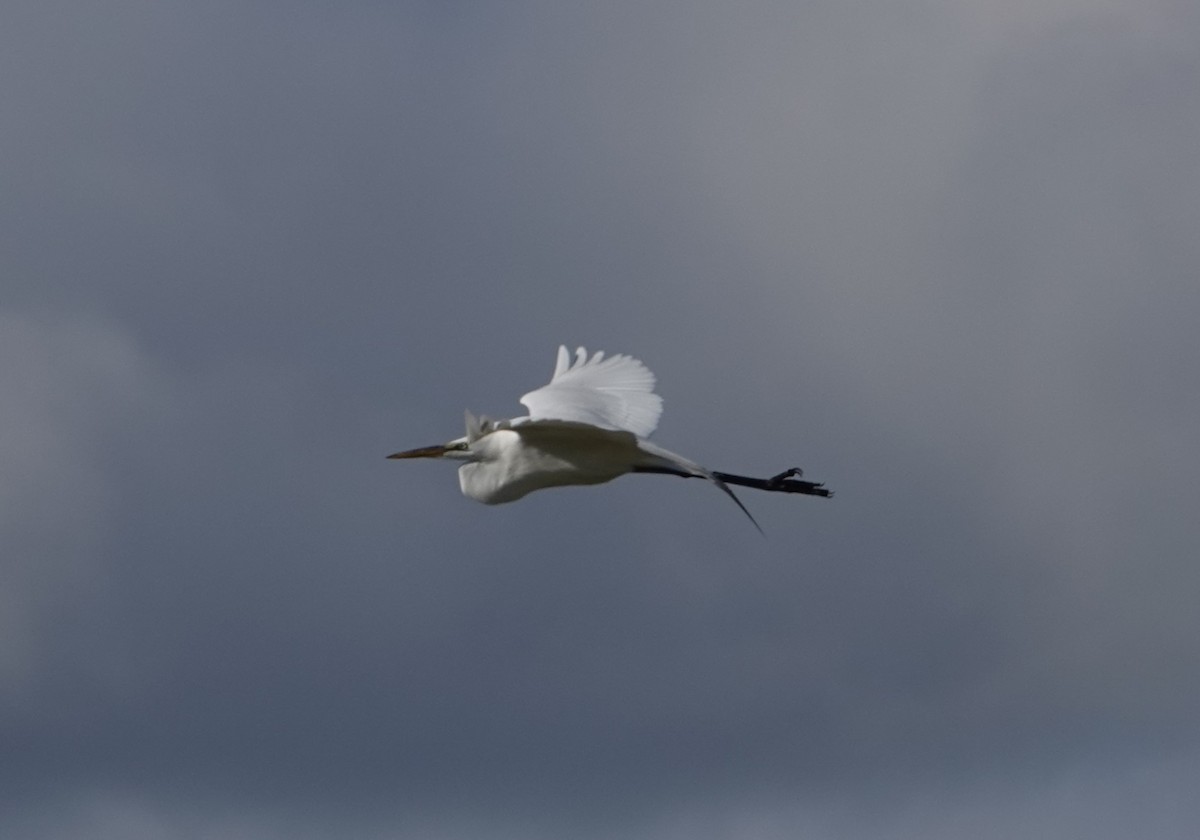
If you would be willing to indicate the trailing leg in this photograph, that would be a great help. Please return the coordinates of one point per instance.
(786, 482)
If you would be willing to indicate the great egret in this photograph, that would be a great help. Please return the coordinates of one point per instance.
(588, 426)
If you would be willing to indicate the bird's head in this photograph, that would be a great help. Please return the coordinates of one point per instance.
(458, 449)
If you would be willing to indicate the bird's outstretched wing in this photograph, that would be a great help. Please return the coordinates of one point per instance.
(613, 393)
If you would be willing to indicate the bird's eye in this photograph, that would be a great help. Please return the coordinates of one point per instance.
(462, 446)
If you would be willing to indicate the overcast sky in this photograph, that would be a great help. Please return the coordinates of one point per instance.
(942, 255)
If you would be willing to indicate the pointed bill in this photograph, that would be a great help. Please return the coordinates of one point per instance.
(424, 452)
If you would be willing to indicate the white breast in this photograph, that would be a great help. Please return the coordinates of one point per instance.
(513, 463)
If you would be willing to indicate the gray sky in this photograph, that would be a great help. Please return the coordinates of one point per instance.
(942, 255)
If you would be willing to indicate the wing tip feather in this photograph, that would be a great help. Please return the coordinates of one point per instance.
(622, 384)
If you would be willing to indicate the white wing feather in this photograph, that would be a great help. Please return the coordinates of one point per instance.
(614, 393)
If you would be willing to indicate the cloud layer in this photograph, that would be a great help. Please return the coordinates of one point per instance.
(941, 256)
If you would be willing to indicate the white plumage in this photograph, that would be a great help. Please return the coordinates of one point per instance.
(614, 393)
(588, 425)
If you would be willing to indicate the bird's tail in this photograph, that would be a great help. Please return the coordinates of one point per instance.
(657, 459)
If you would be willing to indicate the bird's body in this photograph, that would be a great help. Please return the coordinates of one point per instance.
(587, 426)
(517, 460)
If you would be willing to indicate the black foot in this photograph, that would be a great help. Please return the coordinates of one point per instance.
(785, 482)
(776, 482)
(789, 481)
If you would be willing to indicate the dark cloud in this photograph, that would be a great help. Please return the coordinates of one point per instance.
(940, 257)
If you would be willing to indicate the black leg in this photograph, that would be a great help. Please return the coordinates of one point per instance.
(785, 482)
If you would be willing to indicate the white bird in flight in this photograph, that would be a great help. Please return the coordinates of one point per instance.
(589, 425)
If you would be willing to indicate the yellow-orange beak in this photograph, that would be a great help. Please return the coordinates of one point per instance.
(423, 452)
